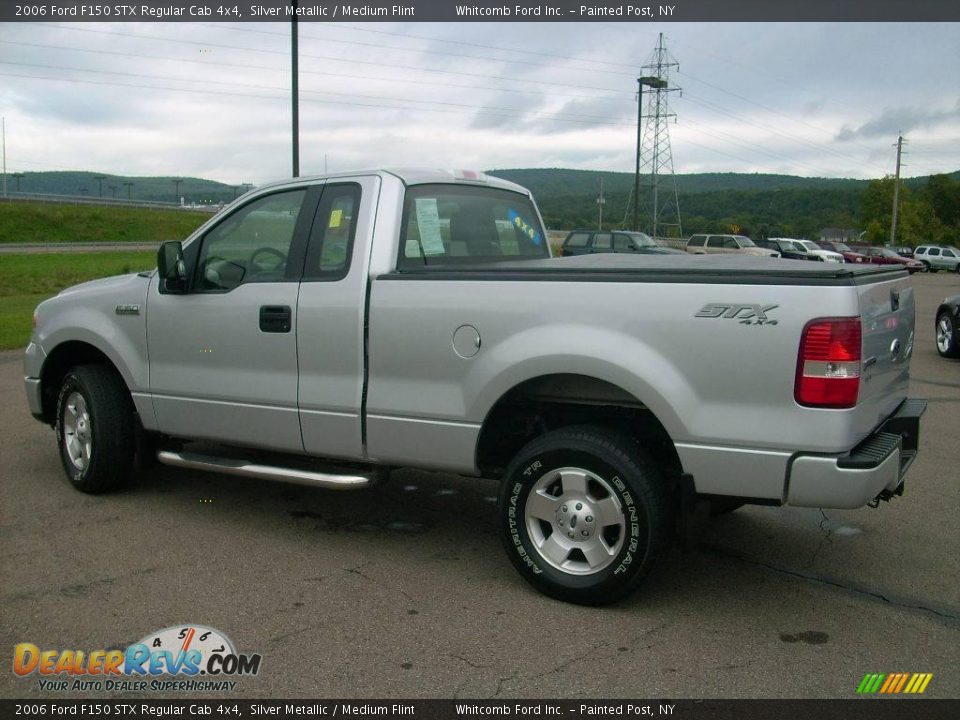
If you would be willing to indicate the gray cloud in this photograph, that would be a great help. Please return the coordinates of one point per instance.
(902, 119)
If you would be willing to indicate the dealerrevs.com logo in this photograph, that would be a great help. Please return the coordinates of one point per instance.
(185, 658)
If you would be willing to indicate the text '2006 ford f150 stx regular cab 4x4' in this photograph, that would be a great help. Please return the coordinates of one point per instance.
(415, 318)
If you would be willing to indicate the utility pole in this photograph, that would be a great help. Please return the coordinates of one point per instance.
(295, 89)
(100, 179)
(654, 155)
(600, 203)
(3, 123)
(176, 182)
(896, 194)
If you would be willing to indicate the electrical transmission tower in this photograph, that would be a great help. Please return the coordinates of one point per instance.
(655, 187)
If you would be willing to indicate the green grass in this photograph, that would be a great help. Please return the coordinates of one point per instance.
(26, 222)
(26, 280)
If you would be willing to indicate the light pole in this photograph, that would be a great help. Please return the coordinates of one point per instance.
(295, 89)
(600, 203)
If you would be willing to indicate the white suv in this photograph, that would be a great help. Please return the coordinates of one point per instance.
(935, 257)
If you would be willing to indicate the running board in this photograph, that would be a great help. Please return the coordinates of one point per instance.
(245, 468)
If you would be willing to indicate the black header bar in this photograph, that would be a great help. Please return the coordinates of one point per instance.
(638, 11)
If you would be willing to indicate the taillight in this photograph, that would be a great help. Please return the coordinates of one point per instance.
(828, 364)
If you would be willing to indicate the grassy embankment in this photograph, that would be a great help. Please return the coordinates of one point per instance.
(25, 222)
(27, 279)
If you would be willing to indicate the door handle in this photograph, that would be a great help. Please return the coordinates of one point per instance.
(275, 318)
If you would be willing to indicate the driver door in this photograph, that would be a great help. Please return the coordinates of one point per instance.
(223, 355)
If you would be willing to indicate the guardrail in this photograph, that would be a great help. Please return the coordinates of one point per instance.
(108, 202)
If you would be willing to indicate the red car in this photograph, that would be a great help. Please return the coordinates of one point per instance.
(886, 256)
(849, 255)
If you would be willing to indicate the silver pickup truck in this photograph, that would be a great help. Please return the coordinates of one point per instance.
(325, 330)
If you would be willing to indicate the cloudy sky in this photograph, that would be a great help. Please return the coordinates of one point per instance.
(212, 100)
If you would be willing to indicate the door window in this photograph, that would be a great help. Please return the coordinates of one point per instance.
(715, 241)
(623, 243)
(601, 241)
(251, 245)
(334, 228)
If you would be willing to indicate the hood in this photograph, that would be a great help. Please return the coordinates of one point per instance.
(117, 282)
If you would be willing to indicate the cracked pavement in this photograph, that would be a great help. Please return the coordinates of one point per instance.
(404, 591)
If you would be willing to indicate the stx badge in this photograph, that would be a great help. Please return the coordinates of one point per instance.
(746, 313)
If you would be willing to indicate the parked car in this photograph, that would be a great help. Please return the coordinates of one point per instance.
(886, 256)
(586, 242)
(726, 245)
(936, 257)
(947, 326)
(787, 248)
(904, 251)
(849, 255)
(825, 255)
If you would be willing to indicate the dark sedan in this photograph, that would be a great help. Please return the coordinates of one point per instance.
(788, 249)
(586, 242)
(947, 326)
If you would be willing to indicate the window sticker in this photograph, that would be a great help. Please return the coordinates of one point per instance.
(524, 227)
(336, 217)
(428, 223)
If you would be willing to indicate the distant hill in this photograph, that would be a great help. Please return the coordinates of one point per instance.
(761, 205)
(153, 189)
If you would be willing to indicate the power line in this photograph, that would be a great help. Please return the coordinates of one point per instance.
(331, 57)
(380, 46)
(246, 66)
(220, 83)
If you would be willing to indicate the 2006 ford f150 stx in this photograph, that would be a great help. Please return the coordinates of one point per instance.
(324, 330)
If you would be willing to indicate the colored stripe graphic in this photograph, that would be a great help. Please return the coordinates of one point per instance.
(894, 683)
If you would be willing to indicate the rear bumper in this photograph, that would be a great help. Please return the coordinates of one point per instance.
(873, 470)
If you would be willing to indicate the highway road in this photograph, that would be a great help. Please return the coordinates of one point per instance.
(404, 591)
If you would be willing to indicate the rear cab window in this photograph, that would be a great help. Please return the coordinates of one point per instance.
(697, 241)
(450, 224)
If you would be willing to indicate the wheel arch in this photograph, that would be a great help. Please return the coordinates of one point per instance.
(548, 402)
(58, 363)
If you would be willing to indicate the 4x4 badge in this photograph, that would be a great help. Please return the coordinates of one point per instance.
(746, 313)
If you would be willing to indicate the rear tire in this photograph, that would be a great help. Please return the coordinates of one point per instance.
(946, 332)
(584, 514)
(95, 429)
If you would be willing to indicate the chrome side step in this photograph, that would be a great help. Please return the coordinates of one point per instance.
(245, 468)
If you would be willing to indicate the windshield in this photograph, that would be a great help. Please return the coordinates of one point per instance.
(642, 239)
(744, 241)
(887, 252)
(810, 245)
(793, 245)
(841, 247)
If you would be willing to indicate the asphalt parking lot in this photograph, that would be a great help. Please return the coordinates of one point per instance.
(404, 591)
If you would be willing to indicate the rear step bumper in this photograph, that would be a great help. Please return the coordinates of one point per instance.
(245, 468)
(874, 470)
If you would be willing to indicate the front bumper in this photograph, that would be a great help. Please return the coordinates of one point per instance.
(32, 365)
(873, 470)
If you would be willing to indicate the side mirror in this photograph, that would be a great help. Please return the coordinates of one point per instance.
(172, 268)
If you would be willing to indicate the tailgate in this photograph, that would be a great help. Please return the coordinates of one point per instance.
(887, 310)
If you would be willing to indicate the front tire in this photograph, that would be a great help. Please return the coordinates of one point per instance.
(95, 429)
(946, 330)
(584, 514)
